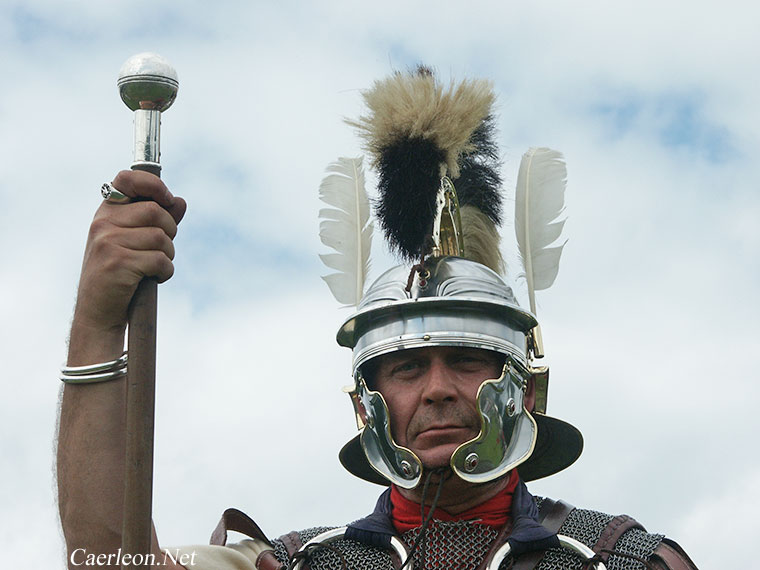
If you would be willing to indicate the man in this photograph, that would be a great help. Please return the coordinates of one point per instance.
(450, 407)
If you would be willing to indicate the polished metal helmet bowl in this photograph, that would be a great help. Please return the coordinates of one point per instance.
(451, 301)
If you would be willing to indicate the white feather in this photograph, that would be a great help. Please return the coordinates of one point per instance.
(346, 228)
(539, 205)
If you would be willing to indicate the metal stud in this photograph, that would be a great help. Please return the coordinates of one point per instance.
(511, 407)
(471, 462)
(406, 467)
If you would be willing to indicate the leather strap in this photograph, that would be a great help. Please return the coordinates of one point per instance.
(498, 542)
(233, 519)
(612, 533)
(396, 560)
(238, 521)
(267, 561)
(552, 515)
(292, 542)
(670, 556)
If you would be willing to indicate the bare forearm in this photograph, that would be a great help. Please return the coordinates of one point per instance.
(91, 452)
(91, 448)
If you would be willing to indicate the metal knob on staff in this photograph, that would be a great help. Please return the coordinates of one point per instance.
(148, 85)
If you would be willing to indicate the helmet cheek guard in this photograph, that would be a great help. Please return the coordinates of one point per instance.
(507, 433)
(395, 463)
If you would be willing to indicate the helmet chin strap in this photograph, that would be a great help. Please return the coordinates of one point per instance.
(444, 473)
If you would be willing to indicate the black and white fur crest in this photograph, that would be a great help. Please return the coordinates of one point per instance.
(418, 131)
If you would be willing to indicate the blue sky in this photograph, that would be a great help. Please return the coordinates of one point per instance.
(676, 121)
(649, 326)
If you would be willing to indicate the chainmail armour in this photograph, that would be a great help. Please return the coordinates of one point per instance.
(462, 545)
(586, 526)
(356, 555)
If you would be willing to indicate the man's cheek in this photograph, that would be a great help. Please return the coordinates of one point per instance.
(398, 431)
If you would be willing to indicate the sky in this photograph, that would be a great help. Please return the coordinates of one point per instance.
(650, 328)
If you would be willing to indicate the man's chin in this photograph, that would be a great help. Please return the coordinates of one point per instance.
(438, 457)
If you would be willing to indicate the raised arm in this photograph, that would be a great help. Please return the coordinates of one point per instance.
(126, 242)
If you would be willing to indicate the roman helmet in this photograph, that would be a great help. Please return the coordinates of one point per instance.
(439, 205)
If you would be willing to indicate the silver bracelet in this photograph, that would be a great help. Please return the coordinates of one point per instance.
(92, 373)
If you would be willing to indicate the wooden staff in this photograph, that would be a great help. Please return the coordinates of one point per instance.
(148, 86)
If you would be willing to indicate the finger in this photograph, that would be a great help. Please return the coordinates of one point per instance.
(149, 263)
(156, 264)
(110, 247)
(138, 215)
(139, 184)
(143, 239)
(177, 209)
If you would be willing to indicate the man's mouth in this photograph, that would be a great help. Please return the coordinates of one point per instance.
(442, 432)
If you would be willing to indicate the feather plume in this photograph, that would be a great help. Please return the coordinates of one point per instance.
(481, 239)
(479, 182)
(539, 204)
(346, 227)
(415, 105)
(417, 131)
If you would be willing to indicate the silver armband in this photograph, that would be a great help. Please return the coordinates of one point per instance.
(92, 373)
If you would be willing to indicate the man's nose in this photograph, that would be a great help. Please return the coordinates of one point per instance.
(440, 385)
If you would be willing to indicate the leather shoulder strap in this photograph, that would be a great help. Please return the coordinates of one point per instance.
(670, 556)
(498, 542)
(238, 521)
(551, 515)
(612, 533)
(233, 519)
(292, 542)
(667, 556)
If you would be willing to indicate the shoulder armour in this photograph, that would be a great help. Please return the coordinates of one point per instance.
(620, 541)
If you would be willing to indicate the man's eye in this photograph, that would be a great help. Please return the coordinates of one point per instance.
(404, 367)
(472, 362)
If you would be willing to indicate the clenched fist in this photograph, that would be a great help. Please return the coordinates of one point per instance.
(126, 242)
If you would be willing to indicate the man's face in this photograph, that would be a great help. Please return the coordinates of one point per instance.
(431, 395)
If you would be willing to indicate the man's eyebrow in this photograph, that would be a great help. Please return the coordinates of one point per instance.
(392, 360)
(472, 351)
(396, 358)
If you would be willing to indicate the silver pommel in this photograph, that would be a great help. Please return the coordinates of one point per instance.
(148, 85)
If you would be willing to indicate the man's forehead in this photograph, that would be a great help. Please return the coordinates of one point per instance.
(433, 351)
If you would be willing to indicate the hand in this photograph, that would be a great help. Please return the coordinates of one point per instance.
(126, 243)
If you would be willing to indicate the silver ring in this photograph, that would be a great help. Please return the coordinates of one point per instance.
(112, 195)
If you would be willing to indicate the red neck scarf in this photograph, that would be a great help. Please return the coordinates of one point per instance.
(494, 512)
